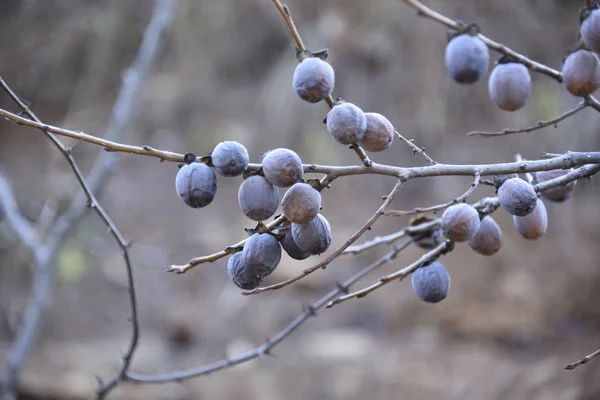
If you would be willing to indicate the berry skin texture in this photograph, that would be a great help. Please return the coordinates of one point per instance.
(196, 185)
(533, 226)
(230, 158)
(313, 79)
(290, 246)
(258, 199)
(510, 86)
(557, 194)
(467, 59)
(590, 30)
(581, 73)
(379, 134)
(282, 167)
(301, 203)
(431, 283)
(346, 123)
(262, 254)
(314, 237)
(517, 197)
(239, 273)
(488, 240)
(460, 222)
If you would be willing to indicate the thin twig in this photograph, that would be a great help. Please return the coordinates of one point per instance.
(442, 249)
(416, 149)
(391, 238)
(539, 125)
(463, 197)
(583, 360)
(366, 226)
(265, 349)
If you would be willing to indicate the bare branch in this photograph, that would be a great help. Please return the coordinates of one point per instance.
(367, 225)
(539, 125)
(583, 360)
(270, 344)
(416, 149)
(463, 197)
(391, 238)
(442, 249)
(22, 228)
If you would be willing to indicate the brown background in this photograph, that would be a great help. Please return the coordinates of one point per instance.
(511, 321)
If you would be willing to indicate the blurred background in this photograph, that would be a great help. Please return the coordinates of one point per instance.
(511, 321)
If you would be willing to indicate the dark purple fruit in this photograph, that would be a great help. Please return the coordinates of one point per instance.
(313, 79)
(517, 197)
(460, 222)
(314, 237)
(282, 167)
(379, 134)
(258, 199)
(196, 184)
(534, 225)
(467, 58)
(488, 239)
(431, 283)
(301, 203)
(262, 253)
(346, 123)
(290, 246)
(230, 158)
(241, 274)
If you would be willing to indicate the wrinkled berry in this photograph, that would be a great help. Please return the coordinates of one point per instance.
(379, 134)
(301, 203)
(467, 58)
(230, 158)
(282, 167)
(517, 197)
(488, 239)
(460, 222)
(533, 226)
(590, 28)
(510, 86)
(431, 283)
(240, 273)
(581, 73)
(290, 246)
(313, 79)
(196, 184)
(262, 253)
(258, 199)
(314, 237)
(557, 194)
(346, 123)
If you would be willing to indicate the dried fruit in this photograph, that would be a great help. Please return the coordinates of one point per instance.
(240, 273)
(460, 222)
(314, 237)
(258, 199)
(262, 253)
(282, 167)
(590, 27)
(313, 79)
(230, 158)
(467, 58)
(301, 203)
(379, 134)
(346, 123)
(557, 194)
(488, 239)
(431, 283)
(290, 246)
(196, 184)
(533, 226)
(517, 197)
(510, 85)
(581, 73)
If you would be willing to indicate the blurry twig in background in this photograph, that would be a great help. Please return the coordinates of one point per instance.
(539, 125)
(45, 255)
(266, 348)
(583, 360)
